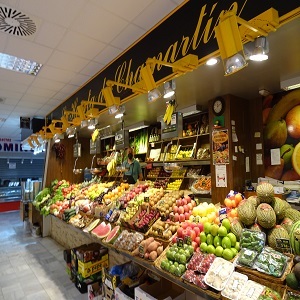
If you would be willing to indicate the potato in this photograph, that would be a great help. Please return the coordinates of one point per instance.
(153, 255)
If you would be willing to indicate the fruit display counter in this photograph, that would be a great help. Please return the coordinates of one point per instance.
(170, 234)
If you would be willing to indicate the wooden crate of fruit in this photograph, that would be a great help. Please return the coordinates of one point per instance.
(163, 231)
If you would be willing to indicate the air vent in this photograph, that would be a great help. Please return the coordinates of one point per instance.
(15, 22)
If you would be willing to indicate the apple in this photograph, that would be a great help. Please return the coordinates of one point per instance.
(180, 210)
(188, 199)
(184, 233)
(175, 208)
(174, 239)
(193, 235)
(187, 215)
(197, 240)
(200, 226)
(178, 202)
(186, 208)
(183, 201)
(197, 230)
(195, 245)
(181, 218)
(176, 217)
(293, 122)
(194, 203)
(180, 232)
(190, 206)
(184, 225)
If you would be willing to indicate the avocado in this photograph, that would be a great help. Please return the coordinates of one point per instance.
(297, 270)
(291, 281)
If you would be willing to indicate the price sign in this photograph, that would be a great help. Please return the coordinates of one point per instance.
(146, 199)
(222, 213)
(283, 245)
(187, 240)
(180, 242)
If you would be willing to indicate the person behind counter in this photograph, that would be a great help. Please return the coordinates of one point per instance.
(133, 170)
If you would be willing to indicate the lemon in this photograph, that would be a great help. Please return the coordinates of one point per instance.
(296, 159)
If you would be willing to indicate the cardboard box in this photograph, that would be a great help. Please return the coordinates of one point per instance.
(161, 290)
(86, 269)
(94, 291)
(83, 283)
(110, 283)
(93, 251)
(121, 295)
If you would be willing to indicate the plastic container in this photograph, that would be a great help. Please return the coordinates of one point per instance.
(251, 291)
(218, 273)
(253, 240)
(234, 285)
(247, 257)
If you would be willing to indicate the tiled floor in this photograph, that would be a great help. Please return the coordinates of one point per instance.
(31, 268)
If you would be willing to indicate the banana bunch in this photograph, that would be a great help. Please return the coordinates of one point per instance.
(95, 135)
(169, 111)
(111, 167)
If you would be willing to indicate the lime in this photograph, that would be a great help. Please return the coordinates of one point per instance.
(226, 243)
(226, 224)
(182, 259)
(164, 264)
(222, 231)
(211, 249)
(176, 264)
(219, 251)
(182, 268)
(177, 271)
(232, 238)
(191, 249)
(172, 269)
(227, 254)
(177, 256)
(203, 247)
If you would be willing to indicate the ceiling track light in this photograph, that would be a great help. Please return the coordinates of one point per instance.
(57, 137)
(110, 99)
(71, 131)
(261, 50)
(169, 89)
(120, 112)
(229, 36)
(92, 123)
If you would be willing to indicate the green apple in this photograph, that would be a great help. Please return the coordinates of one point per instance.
(286, 152)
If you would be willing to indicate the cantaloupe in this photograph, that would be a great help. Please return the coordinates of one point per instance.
(246, 213)
(236, 228)
(287, 224)
(278, 232)
(254, 200)
(278, 206)
(295, 238)
(265, 192)
(292, 214)
(266, 216)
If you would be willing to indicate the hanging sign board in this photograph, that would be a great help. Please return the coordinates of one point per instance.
(174, 129)
(122, 139)
(77, 150)
(95, 147)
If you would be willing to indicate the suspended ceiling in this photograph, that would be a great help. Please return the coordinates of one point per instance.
(74, 39)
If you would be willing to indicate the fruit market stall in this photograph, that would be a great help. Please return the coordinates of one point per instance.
(252, 243)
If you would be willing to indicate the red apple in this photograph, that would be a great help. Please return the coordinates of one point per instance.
(188, 199)
(197, 230)
(179, 232)
(174, 239)
(197, 240)
(193, 235)
(198, 249)
(186, 208)
(184, 233)
(184, 225)
(187, 215)
(181, 218)
(176, 217)
(180, 210)
(293, 122)
(183, 201)
(200, 226)
(190, 206)
(195, 245)
(175, 209)
(194, 203)
(178, 202)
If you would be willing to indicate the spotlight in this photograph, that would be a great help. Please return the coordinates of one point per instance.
(169, 89)
(212, 61)
(92, 123)
(154, 95)
(261, 49)
(70, 131)
(57, 137)
(120, 112)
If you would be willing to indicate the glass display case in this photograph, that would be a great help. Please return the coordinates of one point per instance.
(10, 194)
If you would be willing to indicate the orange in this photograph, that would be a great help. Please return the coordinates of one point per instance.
(238, 198)
(227, 202)
(296, 159)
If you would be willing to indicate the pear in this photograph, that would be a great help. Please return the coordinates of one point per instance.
(286, 152)
(275, 171)
(275, 134)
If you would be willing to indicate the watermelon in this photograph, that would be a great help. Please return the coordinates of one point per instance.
(102, 230)
(114, 233)
(295, 238)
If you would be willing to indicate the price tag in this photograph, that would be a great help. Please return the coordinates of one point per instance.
(141, 251)
(187, 240)
(146, 199)
(222, 213)
(283, 245)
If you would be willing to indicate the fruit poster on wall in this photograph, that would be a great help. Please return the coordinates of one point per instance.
(220, 147)
(281, 120)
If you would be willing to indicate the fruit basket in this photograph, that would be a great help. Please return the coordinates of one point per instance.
(202, 185)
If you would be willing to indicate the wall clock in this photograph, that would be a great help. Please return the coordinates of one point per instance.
(218, 106)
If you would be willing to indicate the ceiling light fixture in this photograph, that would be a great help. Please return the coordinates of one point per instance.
(137, 126)
(111, 101)
(191, 110)
(290, 83)
(169, 89)
(57, 137)
(230, 43)
(154, 95)
(261, 50)
(212, 61)
(120, 112)
(71, 131)
(13, 63)
(92, 123)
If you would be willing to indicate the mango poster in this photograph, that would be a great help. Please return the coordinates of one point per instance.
(281, 120)
(220, 147)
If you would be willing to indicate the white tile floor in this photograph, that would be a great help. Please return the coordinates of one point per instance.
(31, 268)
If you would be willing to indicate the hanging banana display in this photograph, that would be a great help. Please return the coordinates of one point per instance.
(169, 111)
(95, 135)
(111, 167)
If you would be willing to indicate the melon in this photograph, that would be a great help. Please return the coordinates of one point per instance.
(256, 227)
(102, 230)
(236, 228)
(266, 216)
(279, 207)
(246, 213)
(287, 224)
(295, 238)
(292, 214)
(254, 200)
(114, 233)
(278, 232)
(265, 192)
